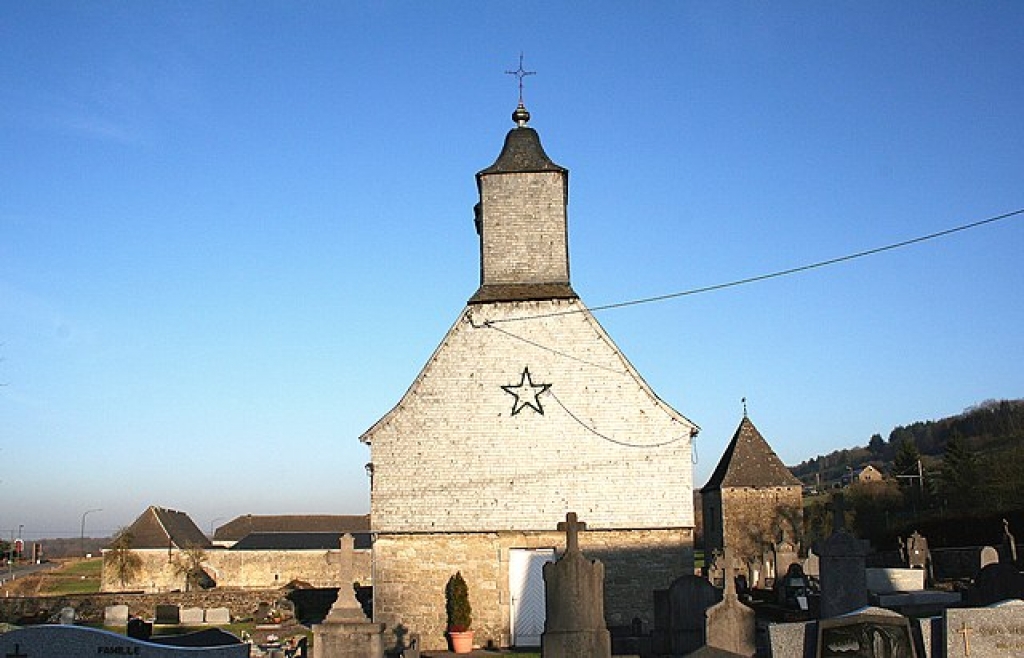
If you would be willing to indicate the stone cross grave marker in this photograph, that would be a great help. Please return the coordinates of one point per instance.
(571, 527)
(574, 625)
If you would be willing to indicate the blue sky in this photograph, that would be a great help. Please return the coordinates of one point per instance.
(231, 233)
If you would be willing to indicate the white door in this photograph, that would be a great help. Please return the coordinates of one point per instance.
(526, 586)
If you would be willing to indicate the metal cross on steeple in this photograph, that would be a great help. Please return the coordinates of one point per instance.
(521, 73)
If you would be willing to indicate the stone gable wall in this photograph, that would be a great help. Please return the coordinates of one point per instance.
(412, 570)
(241, 569)
(524, 237)
(452, 455)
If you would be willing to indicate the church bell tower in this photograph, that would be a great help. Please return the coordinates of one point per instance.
(522, 222)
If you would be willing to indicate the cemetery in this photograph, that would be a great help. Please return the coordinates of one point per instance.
(528, 498)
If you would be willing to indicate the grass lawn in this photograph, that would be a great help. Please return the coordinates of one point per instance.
(79, 577)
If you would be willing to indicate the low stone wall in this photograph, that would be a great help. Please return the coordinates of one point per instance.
(90, 607)
(241, 569)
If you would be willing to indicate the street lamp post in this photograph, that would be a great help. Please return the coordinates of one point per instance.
(81, 539)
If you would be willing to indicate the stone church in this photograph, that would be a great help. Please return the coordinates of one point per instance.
(752, 503)
(525, 411)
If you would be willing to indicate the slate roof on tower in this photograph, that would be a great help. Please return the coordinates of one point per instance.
(750, 462)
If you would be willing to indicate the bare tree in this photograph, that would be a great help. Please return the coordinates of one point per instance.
(124, 562)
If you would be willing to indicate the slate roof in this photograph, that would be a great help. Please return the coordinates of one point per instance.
(159, 527)
(238, 528)
(750, 462)
(522, 292)
(292, 541)
(522, 152)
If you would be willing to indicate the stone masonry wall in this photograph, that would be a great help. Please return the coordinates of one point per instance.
(412, 571)
(754, 516)
(524, 228)
(241, 569)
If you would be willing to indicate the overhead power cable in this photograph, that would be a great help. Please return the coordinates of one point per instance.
(777, 274)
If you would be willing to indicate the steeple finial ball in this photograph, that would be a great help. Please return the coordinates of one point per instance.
(521, 116)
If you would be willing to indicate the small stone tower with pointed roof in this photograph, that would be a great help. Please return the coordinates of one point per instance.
(751, 498)
(525, 411)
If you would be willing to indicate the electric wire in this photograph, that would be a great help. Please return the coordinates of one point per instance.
(618, 442)
(776, 274)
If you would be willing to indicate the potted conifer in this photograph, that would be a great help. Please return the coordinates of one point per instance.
(460, 614)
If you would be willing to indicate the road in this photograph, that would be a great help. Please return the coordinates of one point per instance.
(21, 570)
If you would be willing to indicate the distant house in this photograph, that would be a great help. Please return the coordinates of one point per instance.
(868, 474)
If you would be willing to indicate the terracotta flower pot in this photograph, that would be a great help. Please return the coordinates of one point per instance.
(462, 642)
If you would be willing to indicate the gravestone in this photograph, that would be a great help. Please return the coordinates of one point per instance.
(785, 555)
(217, 616)
(989, 555)
(167, 614)
(67, 615)
(842, 562)
(730, 625)
(917, 551)
(115, 615)
(871, 633)
(140, 629)
(793, 589)
(996, 631)
(347, 632)
(59, 641)
(865, 633)
(715, 569)
(793, 640)
(191, 616)
(996, 582)
(812, 565)
(688, 599)
(574, 589)
(882, 579)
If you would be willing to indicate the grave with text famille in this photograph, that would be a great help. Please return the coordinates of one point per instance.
(574, 588)
(62, 641)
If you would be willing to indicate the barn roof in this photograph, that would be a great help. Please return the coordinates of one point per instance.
(159, 527)
(242, 526)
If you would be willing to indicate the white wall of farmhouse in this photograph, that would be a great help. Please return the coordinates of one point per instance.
(453, 457)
